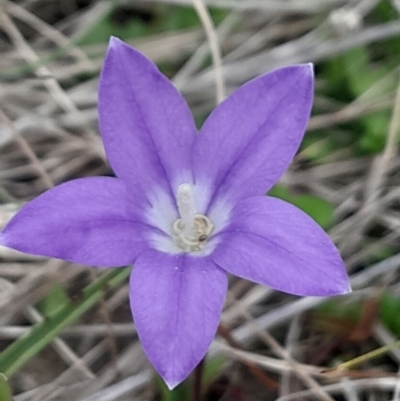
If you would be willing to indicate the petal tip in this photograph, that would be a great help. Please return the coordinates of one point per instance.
(348, 290)
(114, 45)
(307, 69)
(174, 379)
(341, 289)
(303, 71)
(344, 286)
(171, 384)
(114, 41)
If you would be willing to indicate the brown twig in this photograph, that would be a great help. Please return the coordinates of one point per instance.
(197, 381)
(262, 377)
(30, 154)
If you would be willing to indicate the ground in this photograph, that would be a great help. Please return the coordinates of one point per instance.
(346, 176)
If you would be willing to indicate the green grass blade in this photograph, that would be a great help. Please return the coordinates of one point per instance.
(5, 390)
(27, 346)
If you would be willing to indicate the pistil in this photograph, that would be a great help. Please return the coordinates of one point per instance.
(187, 210)
(192, 229)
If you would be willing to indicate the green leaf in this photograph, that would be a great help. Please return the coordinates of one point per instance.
(27, 346)
(212, 369)
(5, 389)
(54, 301)
(340, 308)
(319, 209)
(101, 30)
(390, 306)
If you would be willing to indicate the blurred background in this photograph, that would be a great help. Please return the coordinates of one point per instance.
(66, 331)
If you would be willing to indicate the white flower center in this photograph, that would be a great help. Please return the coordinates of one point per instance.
(192, 230)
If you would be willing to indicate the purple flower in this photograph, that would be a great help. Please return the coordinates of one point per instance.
(187, 208)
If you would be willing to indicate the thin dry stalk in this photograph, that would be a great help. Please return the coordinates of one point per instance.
(209, 28)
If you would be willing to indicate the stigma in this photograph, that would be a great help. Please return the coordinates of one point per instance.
(192, 230)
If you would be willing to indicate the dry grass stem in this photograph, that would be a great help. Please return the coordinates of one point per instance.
(49, 134)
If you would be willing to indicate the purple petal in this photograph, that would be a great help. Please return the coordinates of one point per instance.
(176, 302)
(146, 125)
(251, 138)
(89, 221)
(272, 242)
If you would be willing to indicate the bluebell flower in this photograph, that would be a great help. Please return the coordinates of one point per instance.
(187, 207)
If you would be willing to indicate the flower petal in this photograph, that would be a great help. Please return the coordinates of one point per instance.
(251, 138)
(272, 242)
(89, 221)
(176, 303)
(146, 125)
